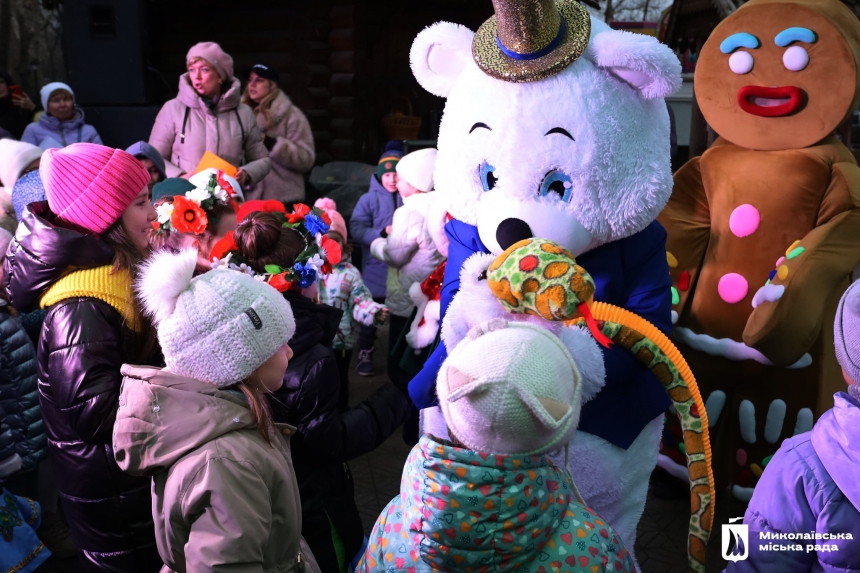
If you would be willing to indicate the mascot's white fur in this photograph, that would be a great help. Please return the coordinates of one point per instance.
(583, 158)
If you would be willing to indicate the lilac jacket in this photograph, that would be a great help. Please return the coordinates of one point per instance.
(373, 212)
(64, 133)
(810, 486)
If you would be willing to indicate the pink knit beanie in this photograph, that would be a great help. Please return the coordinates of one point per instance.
(89, 186)
(212, 53)
(338, 225)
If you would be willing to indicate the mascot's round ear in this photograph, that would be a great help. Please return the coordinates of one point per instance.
(439, 54)
(640, 61)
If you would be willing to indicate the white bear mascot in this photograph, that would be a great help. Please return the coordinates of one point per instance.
(555, 127)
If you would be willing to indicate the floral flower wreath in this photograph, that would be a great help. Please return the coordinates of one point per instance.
(314, 261)
(190, 213)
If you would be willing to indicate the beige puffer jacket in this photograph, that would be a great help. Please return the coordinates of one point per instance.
(222, 498)
(218, 131)
(292, 155)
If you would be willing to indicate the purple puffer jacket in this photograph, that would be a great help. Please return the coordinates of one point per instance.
(810, 486)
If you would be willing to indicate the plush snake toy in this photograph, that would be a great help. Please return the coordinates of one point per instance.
(538, 277)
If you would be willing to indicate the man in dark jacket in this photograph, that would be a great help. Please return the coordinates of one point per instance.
(327, 438)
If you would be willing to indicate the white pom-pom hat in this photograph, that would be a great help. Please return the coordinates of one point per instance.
(218, 327)
(417, 168)
(510, 388)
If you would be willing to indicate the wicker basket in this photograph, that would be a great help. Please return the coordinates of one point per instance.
(399, 126)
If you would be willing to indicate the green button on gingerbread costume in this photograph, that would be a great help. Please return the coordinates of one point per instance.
(764, 227)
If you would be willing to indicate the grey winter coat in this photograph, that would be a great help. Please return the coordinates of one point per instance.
(229, 131)
(373, 212)
(19, 392)
(292, 152)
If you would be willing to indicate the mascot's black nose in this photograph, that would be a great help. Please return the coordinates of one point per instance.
(512, 231)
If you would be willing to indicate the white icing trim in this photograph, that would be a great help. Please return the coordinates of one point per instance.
(714, 406)
(804, 421)
(742, 493)
(768, 293)
(729, 349)
(674, 469)
(773, 422)
(746, 419)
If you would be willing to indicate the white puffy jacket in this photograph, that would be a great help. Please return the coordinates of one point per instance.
(408, 250)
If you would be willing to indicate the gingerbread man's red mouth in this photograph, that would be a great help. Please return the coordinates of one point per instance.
(770, 101)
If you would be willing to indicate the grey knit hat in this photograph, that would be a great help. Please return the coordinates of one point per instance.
(218, 327)
(846, 332)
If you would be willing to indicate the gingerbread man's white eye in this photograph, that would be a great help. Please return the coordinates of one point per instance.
(795, 58)
(741, 62)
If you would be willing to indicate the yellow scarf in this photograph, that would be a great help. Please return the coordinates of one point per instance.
(113, 288)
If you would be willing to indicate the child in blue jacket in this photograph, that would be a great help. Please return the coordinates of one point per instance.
(370, 220)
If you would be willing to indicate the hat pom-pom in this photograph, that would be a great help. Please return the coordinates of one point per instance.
(326, 204)
(394, 145)
(163, 278)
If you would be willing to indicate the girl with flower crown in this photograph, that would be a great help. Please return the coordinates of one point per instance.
(290, 251)
(198, 219)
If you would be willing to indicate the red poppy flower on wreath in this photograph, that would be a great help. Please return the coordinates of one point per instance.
(326, 219)
(224, 245)
(187, 216)
(280, 283)
(298, 214)
(332, 251)
(270, 206)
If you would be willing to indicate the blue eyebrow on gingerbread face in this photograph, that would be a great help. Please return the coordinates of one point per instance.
(790, 35)
(739, 40)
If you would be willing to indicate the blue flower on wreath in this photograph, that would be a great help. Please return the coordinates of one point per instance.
(314, 224)
(307, 274)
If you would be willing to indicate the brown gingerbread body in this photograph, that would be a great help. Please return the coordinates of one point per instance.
(794, 193)
(764, 227)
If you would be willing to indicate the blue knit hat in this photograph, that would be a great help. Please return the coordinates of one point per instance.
(846, 332)
(28, 189)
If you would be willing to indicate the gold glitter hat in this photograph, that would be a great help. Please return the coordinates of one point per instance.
(529, 40)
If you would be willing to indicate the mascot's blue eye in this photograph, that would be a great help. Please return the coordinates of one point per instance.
(488, 178)
(557, 182)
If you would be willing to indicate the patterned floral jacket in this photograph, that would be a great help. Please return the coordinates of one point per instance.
(344, 289)
(460, 510)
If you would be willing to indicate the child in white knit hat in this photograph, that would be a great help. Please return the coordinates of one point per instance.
(409, 249)
(224, 489)
(510, 393)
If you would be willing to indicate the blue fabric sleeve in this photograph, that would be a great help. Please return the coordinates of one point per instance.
(631, 391)
(464, 242)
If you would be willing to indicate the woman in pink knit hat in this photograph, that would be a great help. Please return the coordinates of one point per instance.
(207, 115)
(76, 255)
